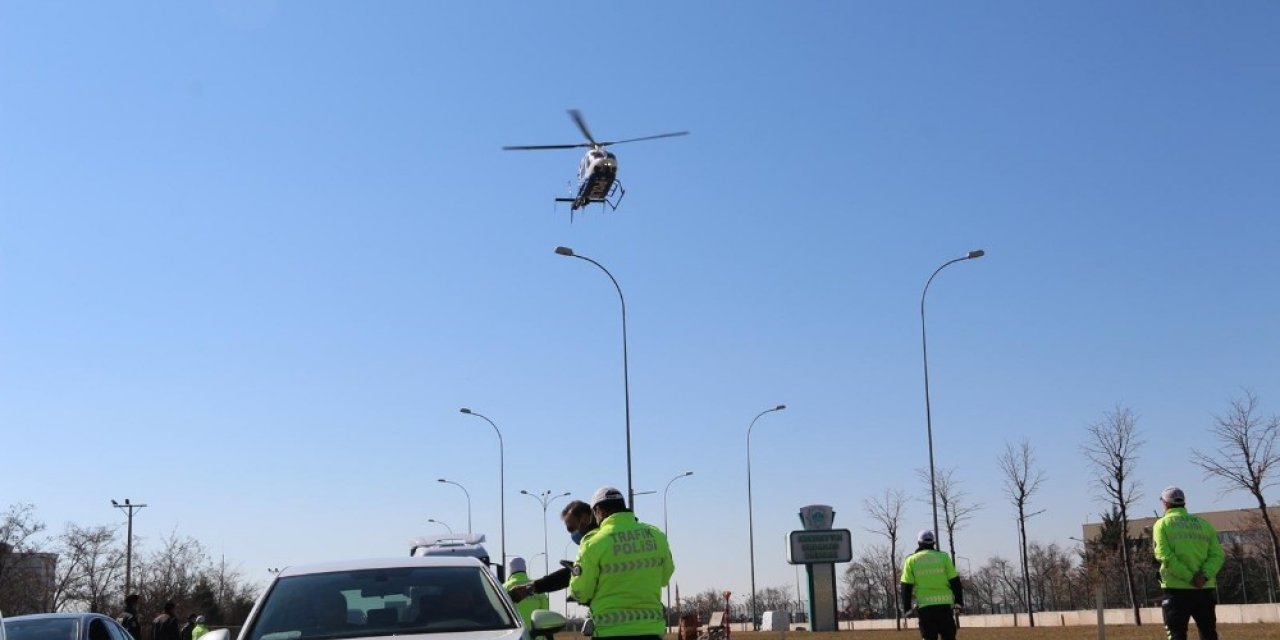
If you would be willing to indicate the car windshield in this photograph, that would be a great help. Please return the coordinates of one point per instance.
(381, 602)
(51, 629)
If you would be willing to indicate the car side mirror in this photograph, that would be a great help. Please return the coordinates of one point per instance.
(546, 623)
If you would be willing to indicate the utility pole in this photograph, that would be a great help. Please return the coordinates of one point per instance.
(128, 508)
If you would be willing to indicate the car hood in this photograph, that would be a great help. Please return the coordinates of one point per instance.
(495, 634)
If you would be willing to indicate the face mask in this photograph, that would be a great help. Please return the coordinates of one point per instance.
(576, 537)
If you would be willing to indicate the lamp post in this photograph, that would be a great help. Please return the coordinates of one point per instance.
(128, 508)
(545, 498)
(928, 415)
(626, 384)
(441, 523)
(468, 494)
(751, 523)
(665, 529)
(502, 504)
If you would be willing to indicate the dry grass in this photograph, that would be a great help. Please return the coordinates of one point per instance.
(1126, 632)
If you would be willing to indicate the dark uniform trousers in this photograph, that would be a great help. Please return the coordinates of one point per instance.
(936, 622)
(1180, 605)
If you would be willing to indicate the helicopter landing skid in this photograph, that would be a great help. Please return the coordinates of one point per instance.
(611, 199)
(614, 197)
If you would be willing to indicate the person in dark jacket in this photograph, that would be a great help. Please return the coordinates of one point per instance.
(129, 619)
(578, 521)
(165, 626)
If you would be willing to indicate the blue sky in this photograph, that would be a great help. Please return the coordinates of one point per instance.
(255, 256)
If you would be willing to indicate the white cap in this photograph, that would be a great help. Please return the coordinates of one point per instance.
(926, 537)
(516, 565)
(1174, 496)
(199, 619)
(605, 494)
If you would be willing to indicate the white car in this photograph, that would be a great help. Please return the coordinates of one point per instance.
(434, 598)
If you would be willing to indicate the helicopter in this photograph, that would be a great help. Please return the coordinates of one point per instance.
(598, 171)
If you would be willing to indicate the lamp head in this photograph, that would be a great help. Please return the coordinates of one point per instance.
(780, 407)
(114, 503)
(441, 480)
(688, 473)
(976, 253)
(564, 251)
(525, 492)
(465, 410)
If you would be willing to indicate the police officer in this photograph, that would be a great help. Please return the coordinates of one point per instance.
(185, 632)
(516, 576)
(199, 629)
(578, 521)
(932, 577)
(1190, 556)
(621, 569)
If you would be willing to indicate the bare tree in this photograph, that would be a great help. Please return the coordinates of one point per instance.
(775, 599)
(860, 580)
(1021, 482)
(1112, 450)
(90, 569)
(170, 573)
(1246, 456)
(1050, 576)
(953, 500)
(888, 513)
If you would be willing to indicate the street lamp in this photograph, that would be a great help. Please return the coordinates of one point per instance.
(468, 493)
(441, 523)
(928, 416)
(665, 530)
(545, 498)
(751, 522)
(128, 508)
(502, 503)
(626, 385)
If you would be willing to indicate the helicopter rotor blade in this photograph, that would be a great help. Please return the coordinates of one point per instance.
(661, 135)
(534, 147)
(582, 124)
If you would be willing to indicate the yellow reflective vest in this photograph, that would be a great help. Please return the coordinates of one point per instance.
(529, 604)
(621, 570)
(930, 572)
(1184, 545)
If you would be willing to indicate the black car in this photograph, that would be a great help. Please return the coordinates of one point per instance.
(64, 626)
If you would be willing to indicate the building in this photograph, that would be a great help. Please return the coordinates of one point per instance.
(28, 581)
(1237, 526)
